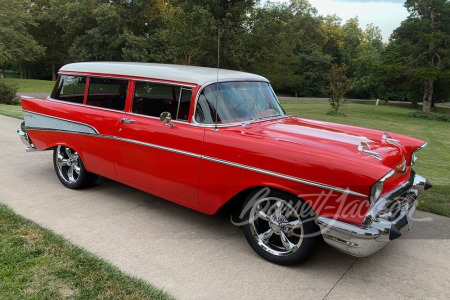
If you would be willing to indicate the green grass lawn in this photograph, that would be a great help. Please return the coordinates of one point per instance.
(434, 160)
(31, 85)
(14, 111)
(38, 264)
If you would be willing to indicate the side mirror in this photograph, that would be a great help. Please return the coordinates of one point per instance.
(166, 118)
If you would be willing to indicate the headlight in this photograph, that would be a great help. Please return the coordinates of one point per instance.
(377, 188)
(414, 154)
(414, 157)
(375, 192)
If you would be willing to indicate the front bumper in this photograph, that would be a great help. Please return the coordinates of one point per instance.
(391, 216)
(25, 138)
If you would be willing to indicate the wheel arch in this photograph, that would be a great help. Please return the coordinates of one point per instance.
(234, 204)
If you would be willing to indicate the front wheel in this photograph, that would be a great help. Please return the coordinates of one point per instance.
(279, 227)
(70, 169)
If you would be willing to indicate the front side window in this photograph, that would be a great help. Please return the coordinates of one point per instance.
(229, 102)
(107, 93)
(152, 99)
(70, 88)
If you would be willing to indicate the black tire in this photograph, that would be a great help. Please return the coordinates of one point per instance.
(279, 227)
(70, 169)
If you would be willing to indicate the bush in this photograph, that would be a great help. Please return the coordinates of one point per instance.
(8, 93)
(436, 117)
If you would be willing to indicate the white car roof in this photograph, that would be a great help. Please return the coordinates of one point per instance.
(180, 73)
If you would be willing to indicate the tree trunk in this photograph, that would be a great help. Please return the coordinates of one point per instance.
(3, 71)
(54, 75)
(428, 97)
(20, 71)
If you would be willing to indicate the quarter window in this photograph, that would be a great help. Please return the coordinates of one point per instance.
(70, 88)
(107, 92)
(152, 99)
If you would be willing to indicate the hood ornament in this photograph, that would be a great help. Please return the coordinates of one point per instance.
(388, 138)
(365, 148)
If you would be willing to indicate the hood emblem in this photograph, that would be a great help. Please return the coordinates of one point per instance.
(365, 148)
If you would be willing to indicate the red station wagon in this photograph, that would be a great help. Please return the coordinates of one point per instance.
(204, 138)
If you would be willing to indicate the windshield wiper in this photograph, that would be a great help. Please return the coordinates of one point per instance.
(246, 123)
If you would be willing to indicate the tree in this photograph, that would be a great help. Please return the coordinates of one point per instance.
(419, 50)
(49, 33)
(339, 86)
(366, 63)
(17, 45)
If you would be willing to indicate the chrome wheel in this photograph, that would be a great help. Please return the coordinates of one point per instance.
(279, 227)
(276, 226)
(70, 169)
(68, 164)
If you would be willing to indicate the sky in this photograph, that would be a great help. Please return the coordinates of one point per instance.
(386, 14)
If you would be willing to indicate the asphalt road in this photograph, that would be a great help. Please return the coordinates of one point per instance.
(195, 256)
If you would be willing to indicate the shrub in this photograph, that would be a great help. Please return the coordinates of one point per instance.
(8, 93)
(436, 117)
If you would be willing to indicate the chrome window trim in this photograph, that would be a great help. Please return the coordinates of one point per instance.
(156, 118)
(86, 105)
(130, 78)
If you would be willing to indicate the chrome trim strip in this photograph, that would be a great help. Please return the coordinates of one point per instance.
(28, 116)
(159, 147)
(221, 161)
(423, 146)
(86, 105)
(155, 118)
(389, 174)
(125, 77)
(71, 132)
(283, 176)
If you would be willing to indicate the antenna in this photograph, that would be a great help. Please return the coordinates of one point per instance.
(217, 80)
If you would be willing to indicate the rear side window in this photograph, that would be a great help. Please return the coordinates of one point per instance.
(152, 99)
(107, 93)
(70, 88)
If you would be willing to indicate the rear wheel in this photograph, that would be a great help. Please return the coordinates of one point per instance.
(70, 169)
(279, 227)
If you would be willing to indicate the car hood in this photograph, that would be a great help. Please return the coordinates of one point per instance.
(335, 139)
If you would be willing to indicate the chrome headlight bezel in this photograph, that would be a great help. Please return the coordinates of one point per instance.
(376, 190)
(414, 154)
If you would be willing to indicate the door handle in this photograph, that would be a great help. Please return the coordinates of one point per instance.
(127, 121)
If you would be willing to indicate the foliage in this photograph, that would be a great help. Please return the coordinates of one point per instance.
(8, 93)
(418, 55)
(339, 85)
(436, 117)
(287, 42)
(17, 45)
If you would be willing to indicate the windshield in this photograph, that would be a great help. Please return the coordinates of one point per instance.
(237, 102)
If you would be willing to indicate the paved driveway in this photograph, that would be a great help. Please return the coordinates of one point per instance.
(195, 256)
